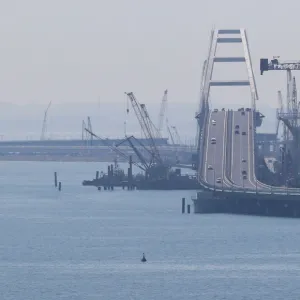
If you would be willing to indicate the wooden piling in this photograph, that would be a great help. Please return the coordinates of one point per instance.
(188, 208)
(59, 186)
(55, 179)
(183, 205)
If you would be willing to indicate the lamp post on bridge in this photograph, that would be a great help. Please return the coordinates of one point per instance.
(256, 185)
(214, 179)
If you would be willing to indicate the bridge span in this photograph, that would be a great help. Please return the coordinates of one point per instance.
(227, 149)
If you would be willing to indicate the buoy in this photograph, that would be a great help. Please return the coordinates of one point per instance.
(144, 258)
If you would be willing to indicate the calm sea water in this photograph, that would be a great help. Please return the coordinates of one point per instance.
(86, 244)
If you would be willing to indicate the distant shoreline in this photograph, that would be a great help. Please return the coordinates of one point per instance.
(59, 158)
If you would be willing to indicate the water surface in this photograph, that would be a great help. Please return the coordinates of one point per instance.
(86, 244)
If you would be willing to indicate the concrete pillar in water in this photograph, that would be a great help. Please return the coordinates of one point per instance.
(59, 186)
(183, 205)
(55, 179)
(188, 208)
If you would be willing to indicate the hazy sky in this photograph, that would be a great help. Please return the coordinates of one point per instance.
(82, 51)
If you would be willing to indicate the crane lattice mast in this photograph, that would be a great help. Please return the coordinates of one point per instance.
(146, 124)
(90, 129)
(163, 108)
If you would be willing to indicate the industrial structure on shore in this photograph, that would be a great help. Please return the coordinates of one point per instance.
(89, 148)
(238, 173)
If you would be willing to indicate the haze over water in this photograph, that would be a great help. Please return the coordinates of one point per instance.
(85, 244)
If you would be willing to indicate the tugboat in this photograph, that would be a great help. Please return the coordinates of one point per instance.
(144, 258)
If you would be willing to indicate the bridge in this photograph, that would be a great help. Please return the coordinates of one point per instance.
(227, 147)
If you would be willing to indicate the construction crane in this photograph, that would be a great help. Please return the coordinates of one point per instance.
(276, 65)
(148, 128)
(290, 117)
(163, 108)
(44, 128)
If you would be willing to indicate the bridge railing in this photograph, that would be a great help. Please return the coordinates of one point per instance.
(286, 192)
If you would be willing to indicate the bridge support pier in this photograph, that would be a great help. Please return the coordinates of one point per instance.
(248, 204)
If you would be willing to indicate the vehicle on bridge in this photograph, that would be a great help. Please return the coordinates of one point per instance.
(213, 122)
(236, 132)
(210, 167)
(243, 160)
(243, 113)
(213, 141)
(243, 133)
(237, 126)
(219, 180)
(244, 172)
(215, 110)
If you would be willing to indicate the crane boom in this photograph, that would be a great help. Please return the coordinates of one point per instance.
(114, 148)
(146, 125)
(162, 112)
(44, 128)
(136, 151)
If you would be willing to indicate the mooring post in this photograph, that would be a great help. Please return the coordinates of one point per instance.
(59, 186)
(97, 175)
(188, 208)
(183, 205)
(55, 179)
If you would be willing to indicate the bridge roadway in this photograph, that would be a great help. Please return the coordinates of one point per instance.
(215, 154)
(242, 150)
(233, 153)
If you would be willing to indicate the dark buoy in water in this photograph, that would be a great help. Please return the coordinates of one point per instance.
(144, 258)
